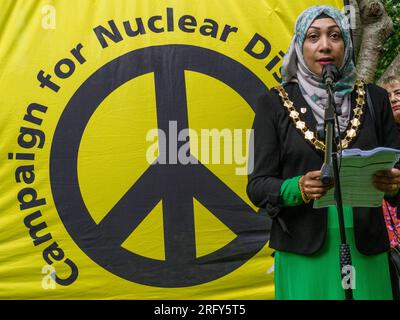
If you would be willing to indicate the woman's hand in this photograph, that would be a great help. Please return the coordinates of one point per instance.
(312, 186)
(387, 181)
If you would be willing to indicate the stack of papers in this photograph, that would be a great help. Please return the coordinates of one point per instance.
(356, 171)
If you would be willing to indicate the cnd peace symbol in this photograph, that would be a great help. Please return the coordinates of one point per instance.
(174, 184)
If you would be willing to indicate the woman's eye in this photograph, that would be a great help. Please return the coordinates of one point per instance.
(335, 35)
(312, 37)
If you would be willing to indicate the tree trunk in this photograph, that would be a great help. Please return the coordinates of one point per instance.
(377, 26)
(356, 26)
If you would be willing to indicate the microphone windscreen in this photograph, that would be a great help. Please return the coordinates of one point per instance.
(329, 73)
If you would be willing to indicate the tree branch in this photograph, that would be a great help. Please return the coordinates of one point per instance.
(377, 28)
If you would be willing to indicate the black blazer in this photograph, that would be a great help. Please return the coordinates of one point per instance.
(281, 152)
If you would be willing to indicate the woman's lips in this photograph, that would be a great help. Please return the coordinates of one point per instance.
(396, 107)
(325, 62)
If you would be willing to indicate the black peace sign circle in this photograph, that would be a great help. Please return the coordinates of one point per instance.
(175, 184)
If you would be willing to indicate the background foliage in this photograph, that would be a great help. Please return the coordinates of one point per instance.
(391, 47)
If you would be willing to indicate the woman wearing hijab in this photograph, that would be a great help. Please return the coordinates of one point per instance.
(288, 156)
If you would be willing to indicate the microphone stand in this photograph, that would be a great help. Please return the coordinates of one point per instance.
(331, 166)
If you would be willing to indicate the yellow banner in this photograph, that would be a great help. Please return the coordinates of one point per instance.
(124, 138)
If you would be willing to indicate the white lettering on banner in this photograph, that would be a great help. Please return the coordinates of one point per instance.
(232, 143)
(49, 17)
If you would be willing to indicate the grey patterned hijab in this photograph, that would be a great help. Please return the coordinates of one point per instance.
(294, 68)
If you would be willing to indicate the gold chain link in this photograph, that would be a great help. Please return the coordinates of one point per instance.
(310, 135)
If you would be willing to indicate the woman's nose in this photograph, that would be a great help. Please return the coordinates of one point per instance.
(325, 44)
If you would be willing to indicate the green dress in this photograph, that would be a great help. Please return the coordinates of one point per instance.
(317, 277)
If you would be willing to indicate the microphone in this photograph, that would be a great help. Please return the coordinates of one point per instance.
(329, 74)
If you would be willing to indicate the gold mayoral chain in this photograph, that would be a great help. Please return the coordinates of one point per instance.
(310, 135)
